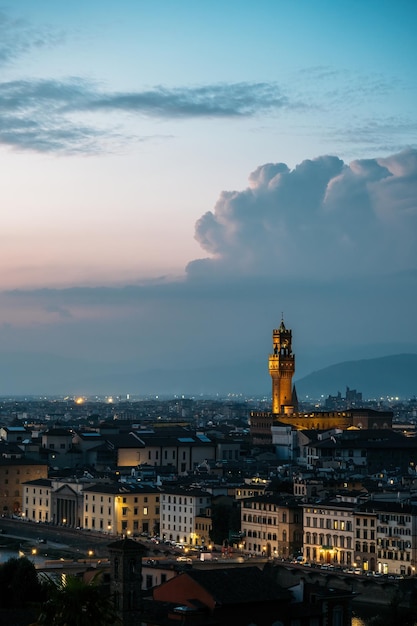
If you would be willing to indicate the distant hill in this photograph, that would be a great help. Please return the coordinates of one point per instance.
(394, 375)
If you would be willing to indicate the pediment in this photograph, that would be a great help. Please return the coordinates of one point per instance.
(65, 490)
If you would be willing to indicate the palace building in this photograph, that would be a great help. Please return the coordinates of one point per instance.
(285, 410)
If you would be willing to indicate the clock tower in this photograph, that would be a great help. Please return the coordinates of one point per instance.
(281, 369)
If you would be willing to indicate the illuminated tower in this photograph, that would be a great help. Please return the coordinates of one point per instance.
(281, 368)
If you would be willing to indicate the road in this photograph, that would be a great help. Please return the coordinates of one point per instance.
(78, 540)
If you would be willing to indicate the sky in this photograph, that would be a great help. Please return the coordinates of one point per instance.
(177, 175)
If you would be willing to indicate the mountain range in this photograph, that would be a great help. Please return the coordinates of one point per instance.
(45, 374)
(394, 376)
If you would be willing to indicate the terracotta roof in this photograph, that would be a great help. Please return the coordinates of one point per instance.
(238, 585)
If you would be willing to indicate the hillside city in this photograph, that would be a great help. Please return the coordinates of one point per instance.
(198, 488)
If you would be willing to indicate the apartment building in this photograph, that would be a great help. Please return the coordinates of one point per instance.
(36, 500)
(272, 525)
(328, 531)
(122, 509)
(202, 529)
(14, 472)
(181, 510)
(386, 537)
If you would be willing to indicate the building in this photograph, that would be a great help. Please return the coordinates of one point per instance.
(67, 502)
(13, 473)
(386, 537)
(244, 595)
(272, 525)
(220, 596)
(122, 509)
(202, 529)
(181, 510)
(364, 451)
(285, 404)
(36, 500)
(328, 529)
(14, 434)
(162, 446)
(57, 446)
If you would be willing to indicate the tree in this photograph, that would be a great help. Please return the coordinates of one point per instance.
(19, 583)
(73, 602)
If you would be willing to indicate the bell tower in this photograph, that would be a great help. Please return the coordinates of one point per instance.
(126, 579)
(281, 369)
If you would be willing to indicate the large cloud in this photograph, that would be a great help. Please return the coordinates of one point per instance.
(323, 218)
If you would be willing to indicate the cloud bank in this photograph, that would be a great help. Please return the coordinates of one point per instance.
(323, 219)
(39, 115)
(330, 244)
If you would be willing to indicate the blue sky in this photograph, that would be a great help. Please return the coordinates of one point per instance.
(176, 174)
